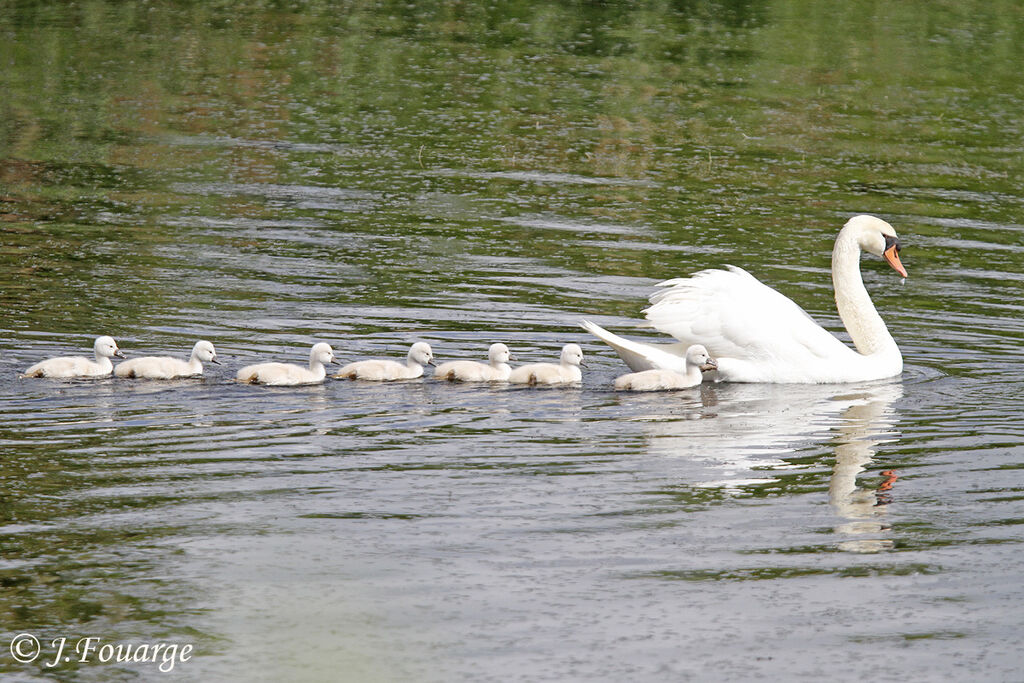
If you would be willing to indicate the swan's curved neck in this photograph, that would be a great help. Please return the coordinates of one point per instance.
(866, 327)
(194, 363)
(103, 361)
(693, 373)
(317, 368)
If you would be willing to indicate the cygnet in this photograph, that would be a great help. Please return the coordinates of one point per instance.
(497, 370)
(566, 372)
(287, 374)
(79, 366)
(697, 361)
(388, 370)
(166, 367)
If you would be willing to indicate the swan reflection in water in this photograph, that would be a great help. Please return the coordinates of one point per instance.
(732, 437)
(862, 427)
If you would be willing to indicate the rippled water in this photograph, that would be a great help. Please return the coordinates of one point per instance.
(461, 174)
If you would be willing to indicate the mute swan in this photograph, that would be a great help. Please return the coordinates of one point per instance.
(286, 374)
(697, 361)
(759, 335)
(165, 367)
(79, 366)
(566, 372)
(387, 370)
(471, 371)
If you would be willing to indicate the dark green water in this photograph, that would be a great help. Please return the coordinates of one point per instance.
(270, 174)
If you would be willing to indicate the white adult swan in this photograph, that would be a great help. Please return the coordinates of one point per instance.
(388, 370)
(166, 367)
(497, 369)
(759, 335)
(286, 374)
(698, 361)
(566, 372)
(79, 366)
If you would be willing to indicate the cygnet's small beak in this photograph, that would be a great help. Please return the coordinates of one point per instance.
(335, 360)
(582, 363)
(430, 361)
(892, 255)
(712, 364)
(117, 352)
(214, 360)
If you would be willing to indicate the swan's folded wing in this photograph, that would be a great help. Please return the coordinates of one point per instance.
(736, 316)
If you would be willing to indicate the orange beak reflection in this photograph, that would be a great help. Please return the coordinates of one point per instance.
(893, 258)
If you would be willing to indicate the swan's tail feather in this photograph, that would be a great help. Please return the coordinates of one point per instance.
(624, 383)
(638, 356)
(247, 375)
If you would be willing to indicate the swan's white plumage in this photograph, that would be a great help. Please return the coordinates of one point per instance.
(697, 362)
(566, 372)
(287, 374)
(760, 335)
(496, 370)
(389, 370)
(104, 348)
(166, 367)
(640, 356)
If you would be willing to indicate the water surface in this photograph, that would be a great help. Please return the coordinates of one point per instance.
(267, 177)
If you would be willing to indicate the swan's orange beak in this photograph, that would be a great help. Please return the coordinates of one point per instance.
(892, 257)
